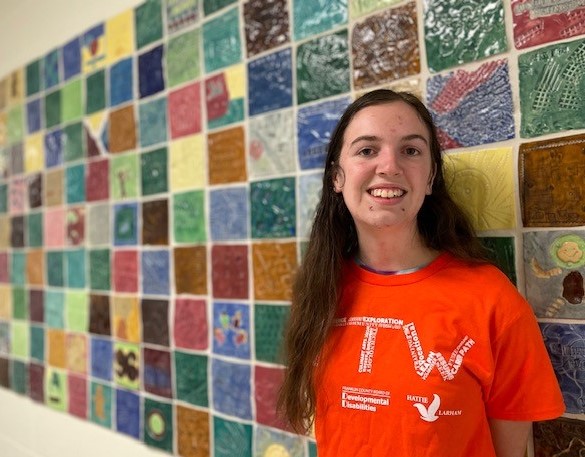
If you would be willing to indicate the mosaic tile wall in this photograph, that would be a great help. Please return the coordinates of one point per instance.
(159, 173)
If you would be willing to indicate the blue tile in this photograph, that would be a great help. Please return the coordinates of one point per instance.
(229, 214)
(150, 72)
(126, 224)
(53, 148)
(121, 77)
(231, 329)
(270, 82)
(153, 122)
(51, 69)
(71, 59)
(128, 413)
(155, 272)
(101, 358)
(75, 183)
(33, 115)
(231, 388)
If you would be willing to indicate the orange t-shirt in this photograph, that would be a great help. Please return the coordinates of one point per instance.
(416, 363)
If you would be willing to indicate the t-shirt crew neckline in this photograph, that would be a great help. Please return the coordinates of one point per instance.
(401, 279)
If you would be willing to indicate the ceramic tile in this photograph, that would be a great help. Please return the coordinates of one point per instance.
(312, 18)
(153, 122)
(157, 372)
(266, 439)
(229, 214)
(54, 228)
(231, 388)
(190, 329)
(93, 49)
(51, 69)
(71, 53)
(99, 315)
(4, 271)
(5, 372)
(158, 424)
(231, 329)
(181, 14)
(100, 402)
(73, 142)
(35, 375)
(271, 144)
(77, 388)
(190, 269)
(34, 118)
(270, 82)
(211, 6)
(501, 251)
(549, 78)
(229, 271)
(188, 163)
(16, 159)
(37, 345)
(95, 89)
(33, 153)
(554, 264)
(226, 156)
(231, 438)
(122, 130)
(56, 348)
(148, 22)
(99, 269)
(75, 182)
(77, 354)
(5, 338)
(155, 222)
(128, 413)
(322, 67)
(127, 365)
(224, 97)
(125, 268)
(126, 224)
(121, 82)
(3, 198)
(77, 311)
(126, 318)
(17, 232)
(98, 225)
(34, 83)
(185, 111)
(19, 303)
(35, 191)
(552, 182)
(266, 25)
(191, 378)
(52, 108)
(273, 266)
(189, 220)
(221, 41)
(120, 32)
(183, 56)
(124, 176)
(192, 432)
(101, 358)
(155, 318)
(75, 267)
(56, 389)
(153, 171)
(15, 124)
(273, 208)
(97, 180)
(155, 272)
(36, 306)
(55, 265)
(35, 267)
(53, 148)
(267, 382)
(472, 107)
(54, 309)
(150, 72)
(15, 87)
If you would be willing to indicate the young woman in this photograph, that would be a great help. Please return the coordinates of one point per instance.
(403, 340)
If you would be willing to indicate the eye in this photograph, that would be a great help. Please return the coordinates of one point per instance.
(411, 151)
(366, 152)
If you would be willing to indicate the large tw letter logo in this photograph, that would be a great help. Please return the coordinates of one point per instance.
(423, 366)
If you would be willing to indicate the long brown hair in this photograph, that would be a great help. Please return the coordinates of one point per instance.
(441, 223)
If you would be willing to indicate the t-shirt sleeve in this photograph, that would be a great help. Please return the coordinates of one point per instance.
(524, 386)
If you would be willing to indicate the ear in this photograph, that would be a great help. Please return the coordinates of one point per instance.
(429, 189)
(338, 180)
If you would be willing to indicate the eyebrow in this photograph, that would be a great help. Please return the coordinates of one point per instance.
(413, 136)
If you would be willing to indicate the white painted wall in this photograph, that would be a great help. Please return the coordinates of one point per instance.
(28, 30)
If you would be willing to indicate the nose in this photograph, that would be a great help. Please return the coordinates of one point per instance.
(388, 163)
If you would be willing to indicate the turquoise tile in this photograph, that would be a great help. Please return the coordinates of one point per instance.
(222, 45)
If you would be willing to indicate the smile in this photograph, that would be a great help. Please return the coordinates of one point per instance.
(387, 193)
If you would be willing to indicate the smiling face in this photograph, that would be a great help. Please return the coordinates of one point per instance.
(385, 166)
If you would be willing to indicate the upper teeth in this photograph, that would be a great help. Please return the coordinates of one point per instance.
(387, 193)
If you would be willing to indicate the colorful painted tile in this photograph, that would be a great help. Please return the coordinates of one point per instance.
(71, 59)
(482, 182)
(4, 373)
(565, 343)
(35, 377)
(457, 35)
(221, 41)
(183, 55)
(53, 148)
(34, 119)
(98, 217)
(211, 6)
(99, 315)
(267, 382)
(55, 267)
(54, 228)
(77, 388)
(125, 266)
(538, 23)
(231, 438)
(73, 142)
(231, 388)
(153, 122)
(75, 179)
(157, 372)
(155, 272)
(309, 192)
(224, 95)
(124, 173)
(155, 318)
(385, 47)
(273, 208)
(15, 124)
(231, 329)
(158, 424)
(270, 82)
(51, 69)
(52, 108)
(181, 14)
(35, 267)
(554, 265)
(77, 354)
(150, 72)
(312, 18)
(33, 153)
(126, 224)
(274, 265)
(56, 348)
(472, 107)
(127, 365)
(314, 126)
(271, 144)
(267, 441)
(20, 339)
(126, 318)
(122, 130)
(121, 82)
(97, 185)
(227, 156)
(34, 83)
(558, 437)
(190, 270)
(185, 110)
(552, 182)
(54, 309)
(3, 198)
(192, 431)
(99, 269)
(93, 49)
(5, 338)
(17, 164)
(188, 163)
(4, 269)
(120, 36)
(229, 270)
(56, 389)
(153, 171)
(95, 89)
(191, 378)
(100, 403)
(148, 22)
(266, 25)
(128, 418)
(37, 343)
(229, 213)
(71, 101)
(190, 328)
(15, 87)
(189, 217)
(77, 310)
(155, 222)
(501, 251)
(75, 267)
(35, 191)
(101, 358)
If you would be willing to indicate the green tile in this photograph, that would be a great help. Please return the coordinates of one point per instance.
(18, 268)
(124, 174)
(148, 20)
(71, 104)
(54, 309)
(35, 229)
(99, 269)
(18, 376)
(231, 438)
(221, 41)
(191, 378)
(269, 324)
(95, 89)
(15, 124)
(56, 389)
(53, 109)
(75, 267)
(183, 54)
(33, 77)
(101, 404)
(311, 18)
(189, 217)
(19, 303)
(37, 343)
(3, 198)
(73, 144)
(127, 351)
(75, 184)
(77, 311)
(20, 338)
(273, 208)
(211, 6)
(153, 170)
(158, 424)
(55, 267)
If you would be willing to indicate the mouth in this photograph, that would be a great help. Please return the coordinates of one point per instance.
(387, 193)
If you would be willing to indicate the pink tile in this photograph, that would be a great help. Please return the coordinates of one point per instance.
(185, 111)
(268, 381)
(97, 185)
(191, 330)
(54, 227)
(77, 396)
(125, 271)
(17, 196)
(4, 273)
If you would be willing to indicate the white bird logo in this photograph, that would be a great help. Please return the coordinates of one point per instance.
(429, 414)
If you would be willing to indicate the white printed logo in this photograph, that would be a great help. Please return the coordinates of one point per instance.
(429, 414)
